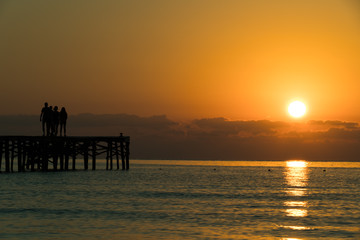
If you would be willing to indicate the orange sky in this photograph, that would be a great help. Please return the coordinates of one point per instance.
(186, 59)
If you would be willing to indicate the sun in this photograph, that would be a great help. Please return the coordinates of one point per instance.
(297, 109)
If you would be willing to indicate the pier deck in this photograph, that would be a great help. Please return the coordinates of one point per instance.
(33, 153)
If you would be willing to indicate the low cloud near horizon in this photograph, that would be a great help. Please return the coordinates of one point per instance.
(158, 137)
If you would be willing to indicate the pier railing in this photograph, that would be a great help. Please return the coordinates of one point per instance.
(31, 153)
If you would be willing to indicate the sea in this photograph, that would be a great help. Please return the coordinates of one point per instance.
(161, 199)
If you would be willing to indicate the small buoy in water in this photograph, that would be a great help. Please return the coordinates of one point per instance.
(269, 170)
(214, 169)
(324, 170)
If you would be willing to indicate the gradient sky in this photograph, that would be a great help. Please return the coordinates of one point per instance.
(185, 59)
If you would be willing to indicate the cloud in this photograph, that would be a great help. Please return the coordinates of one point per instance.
(114, 124)
(332, 124)
(222, 126)
(158, 137)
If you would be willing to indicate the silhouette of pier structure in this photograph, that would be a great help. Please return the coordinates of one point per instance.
(36, 153)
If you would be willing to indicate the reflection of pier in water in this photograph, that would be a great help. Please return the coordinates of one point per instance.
(37, 153)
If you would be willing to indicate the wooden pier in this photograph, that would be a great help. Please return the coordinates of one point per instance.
(36, 153)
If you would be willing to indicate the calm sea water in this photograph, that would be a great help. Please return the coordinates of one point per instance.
(185, 200)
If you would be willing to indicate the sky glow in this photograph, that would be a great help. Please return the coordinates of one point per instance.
(233, 59)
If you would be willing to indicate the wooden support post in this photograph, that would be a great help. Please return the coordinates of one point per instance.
(55, 155)
(31, 155)
(38, 157)
(23, 160)
(7, 156)
(61, 159)
(1, 152)
(26, 162)
(61, 153)
(117, 155)
(45, 156)
(19, 158)
(74, 156)
(26, 155)
(13, 145)
(66, 152)
(86, 156)
(111, 154)
(42, 156)
(127, 155)
(93, 155)
(122, 149)
(107, 158)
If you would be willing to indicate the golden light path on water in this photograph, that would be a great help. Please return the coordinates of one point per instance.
(296, 177)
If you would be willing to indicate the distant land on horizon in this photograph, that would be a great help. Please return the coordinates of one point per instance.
(158, 137)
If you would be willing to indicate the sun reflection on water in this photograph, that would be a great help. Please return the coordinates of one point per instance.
(296, 212)
(296, 174)
(296, 192)
(296, 228)
(296, 163)
(290, 239)
(295, 203)
(296, 180)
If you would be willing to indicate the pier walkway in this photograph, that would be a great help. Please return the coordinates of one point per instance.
(37, 153)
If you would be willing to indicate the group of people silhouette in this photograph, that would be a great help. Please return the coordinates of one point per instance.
(51, 118)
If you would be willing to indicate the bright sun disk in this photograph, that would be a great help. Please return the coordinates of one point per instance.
(297, 109)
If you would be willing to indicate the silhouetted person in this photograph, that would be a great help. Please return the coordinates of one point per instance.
(63, 117)
(45, 118)
(51, 122)
(56, 119)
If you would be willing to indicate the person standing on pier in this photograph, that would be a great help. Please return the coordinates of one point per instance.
(63, 118)
(56, 119)
(50, 126)
(45, 119)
